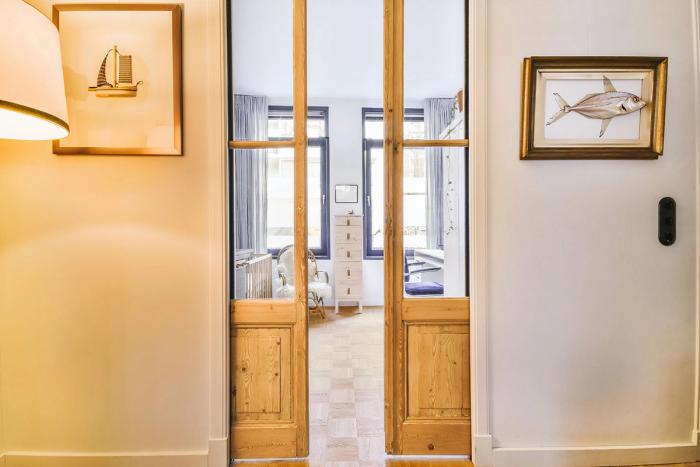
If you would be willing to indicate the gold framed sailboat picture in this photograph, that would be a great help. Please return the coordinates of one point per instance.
(122, 84)
(123, 77)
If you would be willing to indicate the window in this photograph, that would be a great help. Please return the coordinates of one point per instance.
(280, 181)
(415, 183)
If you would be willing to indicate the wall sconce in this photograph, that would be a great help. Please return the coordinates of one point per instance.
(32, 93)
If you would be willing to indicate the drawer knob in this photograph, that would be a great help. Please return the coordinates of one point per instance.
(347, 253)
(347, 222)
(348, 290)
(348, 271)
(347, 236)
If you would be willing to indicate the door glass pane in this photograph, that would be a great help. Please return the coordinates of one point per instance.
(435, 214)
(263, 191)
(435, 63)
(261, 64)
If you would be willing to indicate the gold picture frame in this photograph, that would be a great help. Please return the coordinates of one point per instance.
(164, 136)
(587, 134)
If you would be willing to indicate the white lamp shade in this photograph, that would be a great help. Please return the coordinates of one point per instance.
(32, 93)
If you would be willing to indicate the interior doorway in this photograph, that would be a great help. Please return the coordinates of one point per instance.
(348, 172)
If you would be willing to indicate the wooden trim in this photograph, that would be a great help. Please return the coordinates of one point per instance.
(436, 143)
(263, 312)
(389, 314)
(442, 435)
(239, 144)
(301, 335)
(246, 442)
(432, 309)
(176, 26)
(478, 235)
(395, 398)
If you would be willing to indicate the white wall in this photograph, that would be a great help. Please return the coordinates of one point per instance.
(345, 54)
(592, 322)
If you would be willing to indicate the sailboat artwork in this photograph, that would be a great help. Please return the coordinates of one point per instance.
(122, 84)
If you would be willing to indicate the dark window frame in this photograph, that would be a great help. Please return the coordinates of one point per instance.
(323, 144)
(376, 114)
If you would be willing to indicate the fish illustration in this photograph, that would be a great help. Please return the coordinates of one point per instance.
(603, 106)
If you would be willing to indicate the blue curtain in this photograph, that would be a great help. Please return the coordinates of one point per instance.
(438, 114)
(250, 172)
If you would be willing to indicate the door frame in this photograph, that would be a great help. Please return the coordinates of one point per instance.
(219, 327)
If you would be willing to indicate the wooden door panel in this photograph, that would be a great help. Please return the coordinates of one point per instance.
(438, 376)
(262, 368)
(436, 437)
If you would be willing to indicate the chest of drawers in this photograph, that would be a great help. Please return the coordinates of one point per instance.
(347, 253)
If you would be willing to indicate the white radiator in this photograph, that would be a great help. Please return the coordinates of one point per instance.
(259, 277)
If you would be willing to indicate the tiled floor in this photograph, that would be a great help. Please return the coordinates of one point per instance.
(346, 395)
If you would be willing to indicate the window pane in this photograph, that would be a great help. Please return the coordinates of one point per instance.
(377, 198)
(316, 128)
(435, 60)
(374, 129)
(254, 229)
(413, 126)
(315, 200)
(280, 127)
(413, 129)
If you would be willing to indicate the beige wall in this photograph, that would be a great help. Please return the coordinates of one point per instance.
(105, 290)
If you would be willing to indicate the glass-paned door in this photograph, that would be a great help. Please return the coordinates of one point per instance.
(427, 387)
(269, 171)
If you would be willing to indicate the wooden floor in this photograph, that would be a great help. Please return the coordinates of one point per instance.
(346, 393)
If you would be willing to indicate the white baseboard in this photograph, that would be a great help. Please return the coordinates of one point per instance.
(482, 454)
(218, 453)
(131, 459)
(594, 456)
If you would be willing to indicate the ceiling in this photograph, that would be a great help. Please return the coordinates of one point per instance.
(345, 41)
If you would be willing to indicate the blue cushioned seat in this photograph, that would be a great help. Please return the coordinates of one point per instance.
(424, 288)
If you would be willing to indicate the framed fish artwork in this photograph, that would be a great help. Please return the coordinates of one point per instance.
(123, 77)
(593, 107)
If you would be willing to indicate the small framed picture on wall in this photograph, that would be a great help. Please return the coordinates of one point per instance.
(123, 76)
(346, 194)
(593, 107)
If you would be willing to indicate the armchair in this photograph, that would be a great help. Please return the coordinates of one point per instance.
(319, 281)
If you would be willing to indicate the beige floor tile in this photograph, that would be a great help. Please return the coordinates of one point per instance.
(342, 396)
(370, 449)
(342, 372)
(347, 410)
(342, 428)
(318, 413)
